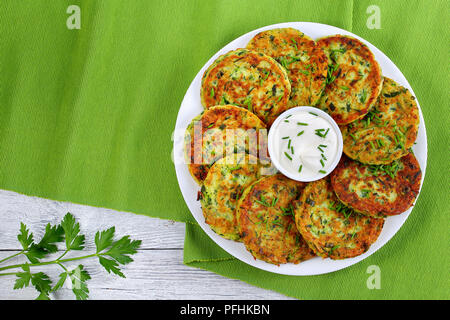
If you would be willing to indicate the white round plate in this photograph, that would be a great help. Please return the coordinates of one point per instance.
(191, 107)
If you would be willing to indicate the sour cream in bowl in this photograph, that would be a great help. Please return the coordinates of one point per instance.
(305, 144)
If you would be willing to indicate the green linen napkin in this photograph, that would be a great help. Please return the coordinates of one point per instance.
(86, 116)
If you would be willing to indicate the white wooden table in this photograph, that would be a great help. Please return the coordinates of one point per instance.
(156, 273)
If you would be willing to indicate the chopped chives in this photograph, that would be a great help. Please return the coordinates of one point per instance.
(315, 114)
(210, 125)
(322, 171)
(295, 44)
(323, 145)
(323, 157)
(289, 116)
(302, 124)
(320, 134)
(300, 133)
(274, 202)
(321, 162)
(286, 120)
(289, 143)
(371, 143)
(300, 168)
(292, 150)
(212, 92)
(285, 137)
(288, 156)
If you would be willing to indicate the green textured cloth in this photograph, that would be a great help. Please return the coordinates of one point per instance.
(87, 115)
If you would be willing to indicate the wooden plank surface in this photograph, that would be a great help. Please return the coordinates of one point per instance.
(157, 272)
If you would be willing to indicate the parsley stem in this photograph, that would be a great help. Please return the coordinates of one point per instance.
(50, 262)
(14, 255)
(65, 252)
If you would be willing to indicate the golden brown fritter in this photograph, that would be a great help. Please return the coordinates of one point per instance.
(265, 219)
(388, 131)
(377, 191)
(247, 79)
(305, 62)
(331, 229)
(224, 184)
(354, 78)
(210, 143)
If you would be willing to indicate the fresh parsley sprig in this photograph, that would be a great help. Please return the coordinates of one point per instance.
(111, 254)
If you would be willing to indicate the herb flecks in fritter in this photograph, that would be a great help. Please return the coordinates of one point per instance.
(377, 190)
(388, 131)
(249, 80)
(353, 81)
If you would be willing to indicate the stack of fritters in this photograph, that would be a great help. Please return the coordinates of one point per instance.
(280, 220)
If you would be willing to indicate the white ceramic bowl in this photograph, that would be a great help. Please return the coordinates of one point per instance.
(272, 143)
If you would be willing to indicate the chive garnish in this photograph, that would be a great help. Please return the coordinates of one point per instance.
(289, 143)
(295, 44)
(288, 156)
(323, 145)
(344, 88)
(292, 150)
(288, 116)
(210, 125)
(302, 124)
(314, 114)
(300, 168)
(212, 92)
(321, 162)
(322, 171)
(286, 120)
(320, 134)
(300, 133)
(285, 138)
(274, 202)
(323, 157)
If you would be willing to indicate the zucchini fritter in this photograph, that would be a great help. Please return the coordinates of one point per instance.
(247, 79)
(305, 62)
(388, 131)
(224, 184)
(212, 141)
(329, 228)
(265, 218)
(354, 78)
(376, 191)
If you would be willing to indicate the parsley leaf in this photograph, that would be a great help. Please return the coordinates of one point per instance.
(111, 266)
(104, 239)
(79, 276)
(111, 255)
(71, 231)
(25, 238)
